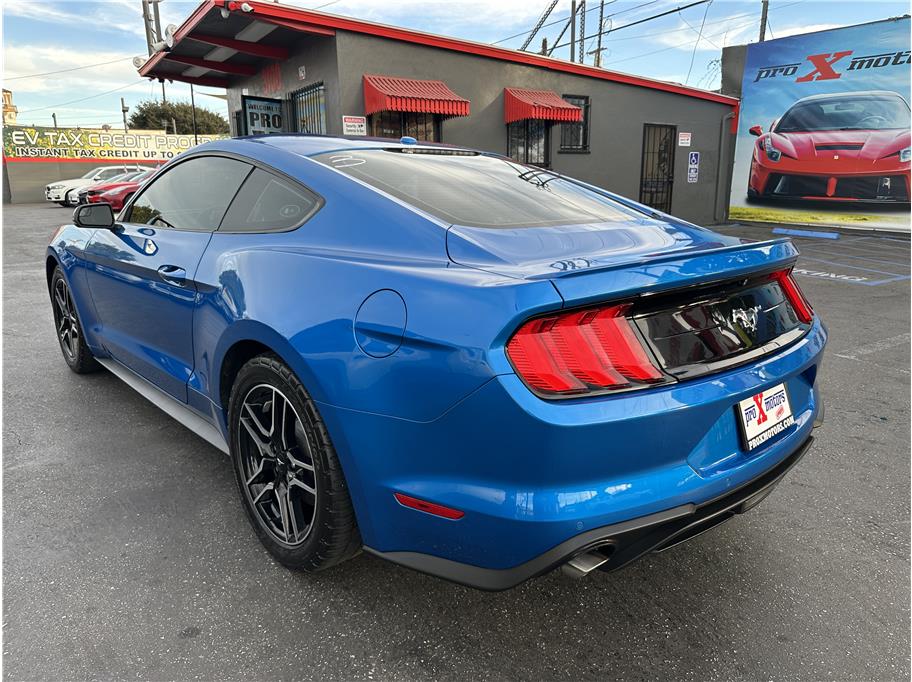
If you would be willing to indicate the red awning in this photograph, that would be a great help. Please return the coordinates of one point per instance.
(389, 93)
(520, 104)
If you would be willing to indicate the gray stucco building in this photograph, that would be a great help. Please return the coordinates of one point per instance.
(290, 69)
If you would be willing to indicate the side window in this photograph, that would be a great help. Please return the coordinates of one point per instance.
(109, 173)
(267, 203)
(193, 195)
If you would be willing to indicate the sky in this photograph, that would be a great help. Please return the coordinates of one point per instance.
(41, 37)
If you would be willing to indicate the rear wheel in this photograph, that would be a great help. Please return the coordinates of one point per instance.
(288, 475)
(69, 330)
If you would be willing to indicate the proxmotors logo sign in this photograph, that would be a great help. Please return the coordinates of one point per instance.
(827, 66)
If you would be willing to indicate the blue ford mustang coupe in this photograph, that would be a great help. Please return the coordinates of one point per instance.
(471, 367)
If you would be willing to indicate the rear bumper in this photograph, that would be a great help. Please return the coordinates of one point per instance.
(623, 542)
(531, 475)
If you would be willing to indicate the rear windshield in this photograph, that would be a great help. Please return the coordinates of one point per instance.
(465, 188)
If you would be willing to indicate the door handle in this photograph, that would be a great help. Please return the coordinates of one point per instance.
(173, 274)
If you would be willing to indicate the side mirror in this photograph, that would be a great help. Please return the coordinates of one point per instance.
(756, 131)
(94, 215)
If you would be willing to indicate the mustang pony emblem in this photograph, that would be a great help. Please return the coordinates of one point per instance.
(746, 317)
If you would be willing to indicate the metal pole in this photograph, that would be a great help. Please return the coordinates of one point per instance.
(164, 99)
(145, 10)
(193, 114)
(174, 125)
(54, 116)
(572, 29)
(123, 110)
(601, 25)
(158, 24)
(763, 14)
(544, 49)
(582, 47)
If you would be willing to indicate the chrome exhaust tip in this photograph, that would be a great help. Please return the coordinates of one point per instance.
(583, 564)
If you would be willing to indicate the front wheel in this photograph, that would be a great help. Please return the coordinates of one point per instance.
(69, 329)
(288, 475)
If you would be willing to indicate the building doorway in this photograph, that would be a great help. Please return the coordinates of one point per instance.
(657, 169)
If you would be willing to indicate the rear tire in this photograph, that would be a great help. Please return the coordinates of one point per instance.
(69, 329)
(288, 475)
(62, 203)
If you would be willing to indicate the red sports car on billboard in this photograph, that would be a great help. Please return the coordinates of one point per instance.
(117, 194)
(852, 146)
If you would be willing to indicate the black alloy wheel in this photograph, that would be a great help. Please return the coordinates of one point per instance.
(69, 331)
(277, 463)
(287, 471)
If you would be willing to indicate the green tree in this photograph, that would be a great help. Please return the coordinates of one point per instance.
(154, 115)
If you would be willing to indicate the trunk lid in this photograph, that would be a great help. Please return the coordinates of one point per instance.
(596, 262)
(546, 252)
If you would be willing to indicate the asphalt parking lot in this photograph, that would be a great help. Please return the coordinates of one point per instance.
(128, 556)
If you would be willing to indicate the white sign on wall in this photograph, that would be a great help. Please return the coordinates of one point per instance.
(684, 139)
(354, 125)
(302, 73)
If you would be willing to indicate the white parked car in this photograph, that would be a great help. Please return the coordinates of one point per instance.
(65, 192)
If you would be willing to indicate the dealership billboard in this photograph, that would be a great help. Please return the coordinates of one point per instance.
(28, 143)
(823, 132)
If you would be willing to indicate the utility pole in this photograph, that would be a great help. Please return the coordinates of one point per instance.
(54, 116)
(582, 47)
(572, 30)
(174, 125)
(544, 49)
(193, 114)
(601, 25)
(763, 14)
(123, 110)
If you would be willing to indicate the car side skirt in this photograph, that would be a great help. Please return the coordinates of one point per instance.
(173, 408)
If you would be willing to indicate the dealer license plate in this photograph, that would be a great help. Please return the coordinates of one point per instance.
(765, 415)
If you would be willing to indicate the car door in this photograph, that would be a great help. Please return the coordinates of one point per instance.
(141, 273)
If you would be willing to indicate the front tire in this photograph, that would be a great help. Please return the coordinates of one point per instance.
(288, 475)
(69, 329)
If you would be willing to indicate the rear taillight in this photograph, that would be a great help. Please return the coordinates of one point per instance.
(594, 350)
(799, 303)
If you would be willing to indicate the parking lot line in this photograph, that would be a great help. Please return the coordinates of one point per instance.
(857, 267)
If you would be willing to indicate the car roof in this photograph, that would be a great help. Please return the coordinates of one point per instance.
(305, 144)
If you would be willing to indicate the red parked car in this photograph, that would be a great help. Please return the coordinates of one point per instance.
(118, 193)
(851, 146)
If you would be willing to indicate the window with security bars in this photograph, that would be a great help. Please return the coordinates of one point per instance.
(575, 136)
(308, 107)
(423, 127)
(529, 141)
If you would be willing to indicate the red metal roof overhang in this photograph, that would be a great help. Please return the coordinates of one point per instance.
(545, 105)
(286, 18)
(390, 93)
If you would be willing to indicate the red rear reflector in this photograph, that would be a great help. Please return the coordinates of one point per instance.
(582, 351)
(429, 507)
(799, 303)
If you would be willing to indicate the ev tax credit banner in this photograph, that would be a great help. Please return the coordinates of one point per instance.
(823, 132)
(22, 143)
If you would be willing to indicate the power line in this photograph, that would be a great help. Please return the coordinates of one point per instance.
(75, 68)
(678, 46)
(697, 44)
(83, 99)
(558, 21)
(640, 21)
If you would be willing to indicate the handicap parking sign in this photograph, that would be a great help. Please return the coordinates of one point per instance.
(693, 167)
